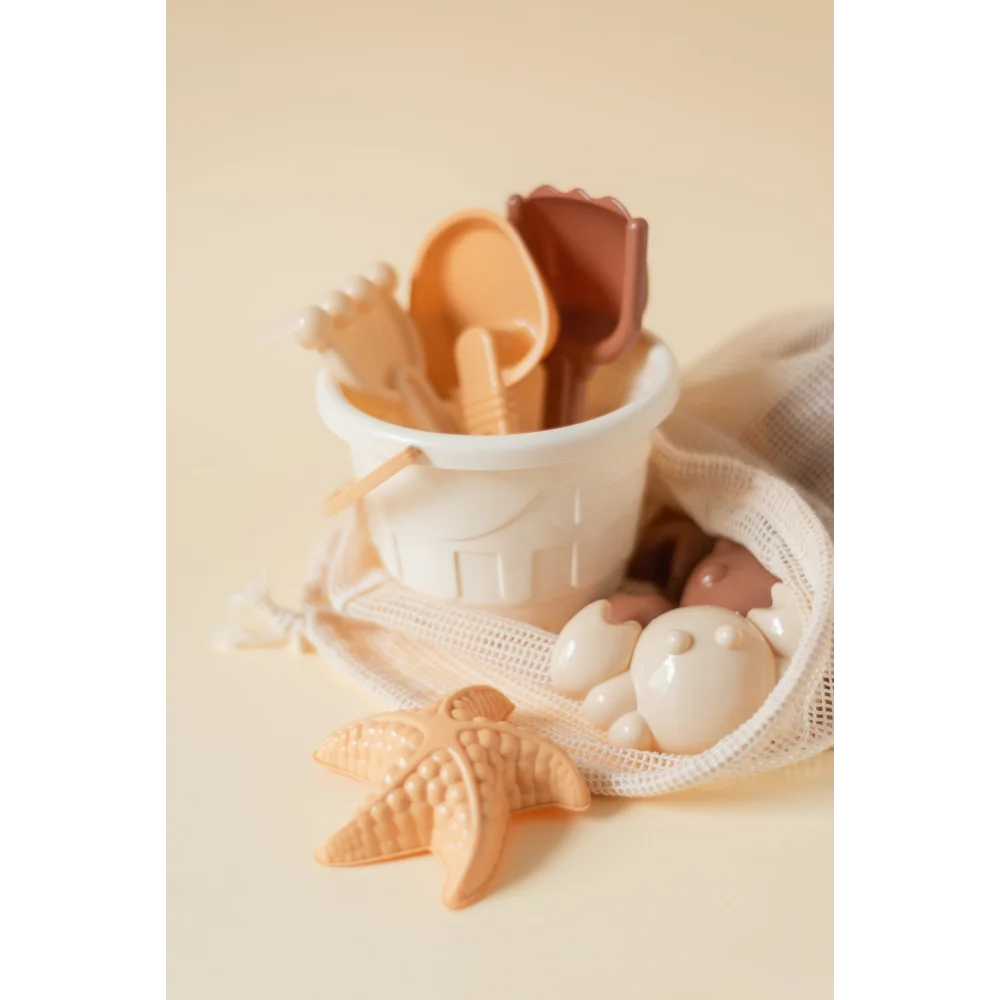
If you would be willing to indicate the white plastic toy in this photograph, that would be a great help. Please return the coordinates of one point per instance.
(528, 526)
(780, 624)
(689, 678)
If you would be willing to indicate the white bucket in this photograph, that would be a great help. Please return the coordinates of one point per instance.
(530, 526)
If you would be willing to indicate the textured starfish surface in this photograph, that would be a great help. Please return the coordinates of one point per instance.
(449, 777)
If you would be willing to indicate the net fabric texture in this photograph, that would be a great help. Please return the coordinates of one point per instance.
(748, 453)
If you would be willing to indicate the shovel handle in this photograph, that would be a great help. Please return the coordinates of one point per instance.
(360, 488)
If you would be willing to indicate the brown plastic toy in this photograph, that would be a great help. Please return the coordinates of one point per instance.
(448, 777)
(475, 271)
(641, 608)
(669, 550)
(730, 577)
(592, 255)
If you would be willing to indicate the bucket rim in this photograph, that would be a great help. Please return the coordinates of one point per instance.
(532, 449)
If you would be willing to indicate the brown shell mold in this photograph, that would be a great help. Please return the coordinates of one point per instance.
(730, 577)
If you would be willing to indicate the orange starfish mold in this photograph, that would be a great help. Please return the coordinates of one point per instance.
(449, 775)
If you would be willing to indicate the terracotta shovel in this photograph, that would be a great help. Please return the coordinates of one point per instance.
(592, 255)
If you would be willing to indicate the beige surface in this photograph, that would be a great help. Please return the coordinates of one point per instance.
(305, 143)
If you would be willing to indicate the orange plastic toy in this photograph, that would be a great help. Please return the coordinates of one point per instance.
(448, 777)
(475, 271)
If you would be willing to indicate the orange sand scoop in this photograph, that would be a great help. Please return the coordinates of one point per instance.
(448, 777)
(475, 271)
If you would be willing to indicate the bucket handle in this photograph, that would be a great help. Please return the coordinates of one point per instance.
(353, 492)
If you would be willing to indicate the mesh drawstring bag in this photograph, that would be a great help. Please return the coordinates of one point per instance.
(747, 453)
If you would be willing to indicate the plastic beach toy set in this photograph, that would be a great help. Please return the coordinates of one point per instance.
(505, 429)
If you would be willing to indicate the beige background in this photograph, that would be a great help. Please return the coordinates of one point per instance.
(308, 139)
